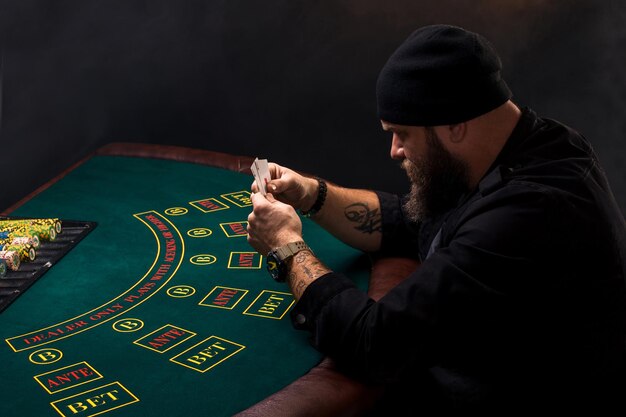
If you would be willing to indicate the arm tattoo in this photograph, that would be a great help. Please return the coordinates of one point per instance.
(301, 256)
(320, 269)
(368, 221)
(305, 269)
(308, 272)
(312, 270)
(299, 288)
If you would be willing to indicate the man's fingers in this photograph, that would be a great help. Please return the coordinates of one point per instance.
(257, 199)
(276, 186)
(272, 187)
(261, 203)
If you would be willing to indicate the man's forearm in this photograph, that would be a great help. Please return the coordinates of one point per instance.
(304, 268)
(353, 216)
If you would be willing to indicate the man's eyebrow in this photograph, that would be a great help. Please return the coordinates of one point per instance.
(394, 129)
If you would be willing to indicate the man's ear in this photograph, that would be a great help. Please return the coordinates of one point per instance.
(457, 132)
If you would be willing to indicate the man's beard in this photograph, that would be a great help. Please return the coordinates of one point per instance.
(438, 180)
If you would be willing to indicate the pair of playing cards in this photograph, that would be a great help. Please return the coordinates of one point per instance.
(261, 172)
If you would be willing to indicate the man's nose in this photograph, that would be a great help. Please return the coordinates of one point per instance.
(397, 149)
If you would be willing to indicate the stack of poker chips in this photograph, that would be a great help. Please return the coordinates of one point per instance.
(20, 239)
(45, 229)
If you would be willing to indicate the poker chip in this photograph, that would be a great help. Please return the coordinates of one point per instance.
(24, 240)
(54, 223)
(58, 226)
(44, 232)
(11, 258)
(26, 252)
(21, 240)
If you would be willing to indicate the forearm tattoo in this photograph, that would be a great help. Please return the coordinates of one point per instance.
(306, 269)
(301, 256)
(368, 221)
(297, 286)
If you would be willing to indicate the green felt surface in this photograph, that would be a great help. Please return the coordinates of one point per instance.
(113, 276)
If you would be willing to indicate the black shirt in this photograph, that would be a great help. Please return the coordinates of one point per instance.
(520, 297)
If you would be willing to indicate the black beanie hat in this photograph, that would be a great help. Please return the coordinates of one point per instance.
(440, 75)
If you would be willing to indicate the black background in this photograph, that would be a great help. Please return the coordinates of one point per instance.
(289, 80)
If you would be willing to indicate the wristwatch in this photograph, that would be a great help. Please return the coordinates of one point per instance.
(276, 259)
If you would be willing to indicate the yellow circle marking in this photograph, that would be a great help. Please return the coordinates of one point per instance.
(200, 232)
(176, 211)
(127, 325)
(181, 291)
(45, 356)
(202, 259)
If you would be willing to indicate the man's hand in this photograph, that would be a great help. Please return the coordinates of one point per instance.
(272, 224)
(352, 215)
(291, 188)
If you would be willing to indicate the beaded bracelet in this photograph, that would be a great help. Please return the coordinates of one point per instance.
(321, 198)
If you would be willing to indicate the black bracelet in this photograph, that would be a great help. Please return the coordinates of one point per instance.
(321, 198)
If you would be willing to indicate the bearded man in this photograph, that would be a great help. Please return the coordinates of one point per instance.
(520, 298)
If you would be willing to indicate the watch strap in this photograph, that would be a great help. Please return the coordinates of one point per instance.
(291, 249)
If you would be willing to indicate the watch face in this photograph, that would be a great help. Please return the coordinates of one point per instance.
(275, 267)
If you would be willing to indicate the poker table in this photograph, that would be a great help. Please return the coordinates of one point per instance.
(163, 309)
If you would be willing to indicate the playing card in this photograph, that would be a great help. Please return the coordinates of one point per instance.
(261, 171)
(255, 173)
